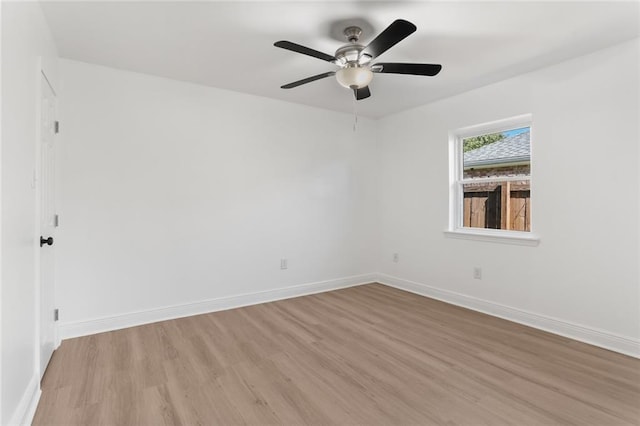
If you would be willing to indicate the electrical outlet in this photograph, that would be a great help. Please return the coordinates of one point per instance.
(396, 257)
(284, 263)
(477, 273)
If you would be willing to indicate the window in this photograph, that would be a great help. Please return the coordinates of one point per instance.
(491, 180)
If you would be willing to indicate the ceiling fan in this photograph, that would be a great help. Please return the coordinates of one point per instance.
(354, 59)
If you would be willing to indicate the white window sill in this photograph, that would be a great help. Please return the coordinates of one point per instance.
(494, 236)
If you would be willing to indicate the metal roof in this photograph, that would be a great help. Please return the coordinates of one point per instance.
(512, 149)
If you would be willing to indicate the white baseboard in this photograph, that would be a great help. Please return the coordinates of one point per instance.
(603, 339)
(116, 322)
(26, 409)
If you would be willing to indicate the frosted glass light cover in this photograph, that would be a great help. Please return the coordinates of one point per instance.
(354, 77)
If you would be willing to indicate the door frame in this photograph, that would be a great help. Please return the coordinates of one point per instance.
(41, 76)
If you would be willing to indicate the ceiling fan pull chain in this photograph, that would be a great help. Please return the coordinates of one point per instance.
(355, 111)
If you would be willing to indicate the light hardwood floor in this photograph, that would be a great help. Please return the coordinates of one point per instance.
(364, 355)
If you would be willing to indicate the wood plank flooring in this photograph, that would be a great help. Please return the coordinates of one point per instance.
(363, 355)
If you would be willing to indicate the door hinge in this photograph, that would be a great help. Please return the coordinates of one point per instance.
(56, 314)
(56, 220)
(56, 127)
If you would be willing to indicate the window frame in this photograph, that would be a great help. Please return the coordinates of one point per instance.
(456, 182)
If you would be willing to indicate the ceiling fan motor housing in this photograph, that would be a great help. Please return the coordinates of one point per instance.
(349, 53)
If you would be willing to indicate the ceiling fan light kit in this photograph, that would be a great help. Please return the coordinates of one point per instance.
(354, 59)
(354, 77)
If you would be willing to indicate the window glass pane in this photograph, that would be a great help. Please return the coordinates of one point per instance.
(506, 153)
(497, 205)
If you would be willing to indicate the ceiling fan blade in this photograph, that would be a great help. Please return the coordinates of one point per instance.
(400, 68)
(362, 93)
(304, 50)
(392, 35)
(308, 80)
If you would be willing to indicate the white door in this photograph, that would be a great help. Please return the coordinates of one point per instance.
(47, 222)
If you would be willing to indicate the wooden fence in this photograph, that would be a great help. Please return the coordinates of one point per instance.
(505, 205)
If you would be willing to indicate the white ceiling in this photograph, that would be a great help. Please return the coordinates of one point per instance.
(229, 45)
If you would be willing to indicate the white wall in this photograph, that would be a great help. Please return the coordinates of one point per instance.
(25, 38)
(174, 193)
(584, 195)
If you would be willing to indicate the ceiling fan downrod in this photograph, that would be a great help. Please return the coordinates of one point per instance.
(352, 34)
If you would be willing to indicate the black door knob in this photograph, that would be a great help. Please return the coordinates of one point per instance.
(47, 241)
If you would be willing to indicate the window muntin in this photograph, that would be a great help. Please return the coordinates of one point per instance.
(493, 178)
